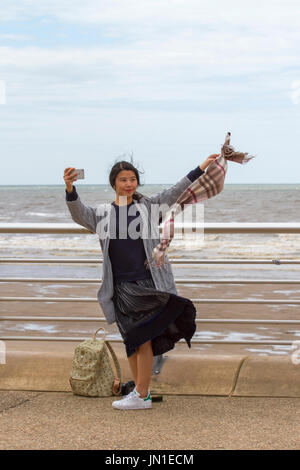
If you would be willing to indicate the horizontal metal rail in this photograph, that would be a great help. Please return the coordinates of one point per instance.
(207, 228)
(177, 280)
(172, 260)
(233, 227)
(115, 340)
(196, 301)
(102, 319)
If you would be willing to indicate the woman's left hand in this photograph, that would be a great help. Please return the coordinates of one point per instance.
(208, 160)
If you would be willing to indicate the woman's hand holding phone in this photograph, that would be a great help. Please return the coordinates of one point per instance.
(70, 177)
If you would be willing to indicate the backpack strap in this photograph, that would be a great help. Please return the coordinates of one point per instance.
(104, 333)
(117, 386)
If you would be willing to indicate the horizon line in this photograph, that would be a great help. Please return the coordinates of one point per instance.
(145, 184)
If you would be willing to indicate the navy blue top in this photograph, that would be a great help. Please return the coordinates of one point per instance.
(127, 255)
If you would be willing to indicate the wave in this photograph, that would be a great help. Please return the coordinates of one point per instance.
(211, 246)
(42, 214)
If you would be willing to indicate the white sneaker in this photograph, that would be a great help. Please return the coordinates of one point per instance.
(132, 401)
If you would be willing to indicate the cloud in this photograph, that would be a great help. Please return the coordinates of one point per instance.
(295, 95)
(172, 74)
(15, 37)
(144, 35)
(2, 92)
(192, 56)
(158, 12)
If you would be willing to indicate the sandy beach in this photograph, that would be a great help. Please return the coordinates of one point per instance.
(205, 331)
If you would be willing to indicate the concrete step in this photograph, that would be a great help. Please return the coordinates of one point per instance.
(45, 366)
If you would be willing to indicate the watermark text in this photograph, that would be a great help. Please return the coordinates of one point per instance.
(2, 352)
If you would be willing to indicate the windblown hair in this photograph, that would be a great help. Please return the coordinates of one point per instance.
(125, 165)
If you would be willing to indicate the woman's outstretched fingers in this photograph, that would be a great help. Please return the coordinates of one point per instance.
(69, 176)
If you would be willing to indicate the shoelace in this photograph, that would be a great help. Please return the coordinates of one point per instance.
(129, 396)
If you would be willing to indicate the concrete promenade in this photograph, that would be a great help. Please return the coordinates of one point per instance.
(211, 401)
(59, 420)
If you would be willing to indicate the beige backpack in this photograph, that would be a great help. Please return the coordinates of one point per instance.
(92, 374)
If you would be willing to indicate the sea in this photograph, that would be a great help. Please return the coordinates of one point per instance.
(278, 203)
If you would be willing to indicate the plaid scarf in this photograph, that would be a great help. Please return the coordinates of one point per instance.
(206, 186)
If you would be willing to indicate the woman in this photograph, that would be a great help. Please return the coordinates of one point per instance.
(140, 297)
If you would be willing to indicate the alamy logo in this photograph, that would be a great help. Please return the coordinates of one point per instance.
(296, 353)
(137, 221)
(2, 352)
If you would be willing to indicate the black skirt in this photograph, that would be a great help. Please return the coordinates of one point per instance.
(143, 313)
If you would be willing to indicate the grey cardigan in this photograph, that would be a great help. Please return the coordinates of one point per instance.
(98, 219)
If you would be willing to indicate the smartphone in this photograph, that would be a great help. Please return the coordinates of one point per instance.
(80, 175)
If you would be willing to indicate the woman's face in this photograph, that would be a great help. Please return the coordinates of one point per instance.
(126, 183)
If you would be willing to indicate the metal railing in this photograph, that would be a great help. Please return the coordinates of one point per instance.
(208, 228)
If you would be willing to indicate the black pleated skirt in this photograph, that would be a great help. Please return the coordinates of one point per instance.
(143, 313)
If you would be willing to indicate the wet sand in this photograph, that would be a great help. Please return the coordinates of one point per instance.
(205, 331)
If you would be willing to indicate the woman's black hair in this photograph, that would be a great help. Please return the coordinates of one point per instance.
(125, 165)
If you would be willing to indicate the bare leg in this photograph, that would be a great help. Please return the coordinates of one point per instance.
(133, 366)
(144, 368)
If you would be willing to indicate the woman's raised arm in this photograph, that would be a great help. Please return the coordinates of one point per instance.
(81, 214)
(169, 196)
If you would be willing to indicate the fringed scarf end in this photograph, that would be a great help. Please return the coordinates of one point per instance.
(158, 259)
(215, 175)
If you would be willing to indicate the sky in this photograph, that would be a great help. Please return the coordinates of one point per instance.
(85, 84)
